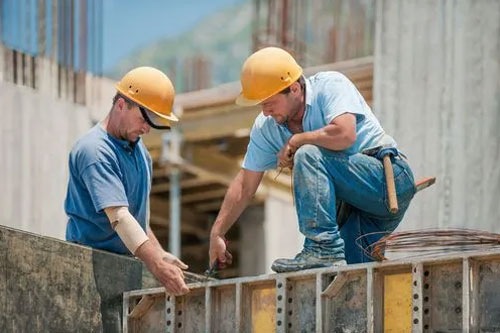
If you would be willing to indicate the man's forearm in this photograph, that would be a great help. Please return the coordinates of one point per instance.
(331, 137)
(149, 254)
(153, 239)
(235, 201)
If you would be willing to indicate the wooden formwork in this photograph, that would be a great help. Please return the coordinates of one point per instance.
(446, 293)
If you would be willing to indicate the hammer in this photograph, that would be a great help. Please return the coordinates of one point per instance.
(385, 154)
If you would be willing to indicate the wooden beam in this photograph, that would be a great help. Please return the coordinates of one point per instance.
(211, 123)
(161, 224)
(227, 93)
(211, 160)
(211, 113)
(207, 164)
(216, 205)
(191, 222)
(204, 195)
(222, 94)
(185, 184)
(218, 122)
(208, 207)
(142, 307)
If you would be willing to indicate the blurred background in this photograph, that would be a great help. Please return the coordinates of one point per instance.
(430, 70)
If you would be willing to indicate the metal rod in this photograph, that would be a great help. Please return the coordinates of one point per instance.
(171, 155)
(175, 203)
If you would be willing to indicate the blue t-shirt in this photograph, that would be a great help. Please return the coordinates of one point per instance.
(328, 95)
(105, 172)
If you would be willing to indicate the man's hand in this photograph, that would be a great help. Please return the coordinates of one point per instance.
(171, 259)
(168, 273)
(170, 276)
(218, 250)
(285, 155)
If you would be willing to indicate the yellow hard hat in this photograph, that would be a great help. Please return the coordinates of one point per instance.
(153, 92)
(266, 73)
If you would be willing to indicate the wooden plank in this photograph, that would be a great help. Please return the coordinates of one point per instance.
(336, 285)
(161, 224)
(209, 206)
(160, 206)
(227, 93)
(211, 113)
(142, 307)
(185, 184)
(202, 196)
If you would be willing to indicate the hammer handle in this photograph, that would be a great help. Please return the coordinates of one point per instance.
(391, 187)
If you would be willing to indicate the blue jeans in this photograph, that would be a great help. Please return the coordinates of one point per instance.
(322, 176)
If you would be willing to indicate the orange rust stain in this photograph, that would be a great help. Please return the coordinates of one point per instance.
(264, 309)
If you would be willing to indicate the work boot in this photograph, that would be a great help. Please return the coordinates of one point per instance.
(305, 260)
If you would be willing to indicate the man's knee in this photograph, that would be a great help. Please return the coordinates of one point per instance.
(306, 153)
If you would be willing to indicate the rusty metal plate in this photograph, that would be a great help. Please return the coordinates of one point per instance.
(347, 311)
(489, 296)
(442, 303)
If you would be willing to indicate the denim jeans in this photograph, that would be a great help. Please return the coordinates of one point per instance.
(322, 176)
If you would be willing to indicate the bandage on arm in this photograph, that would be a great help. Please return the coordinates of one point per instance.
(127, 227)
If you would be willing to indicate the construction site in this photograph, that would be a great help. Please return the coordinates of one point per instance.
(430, 72)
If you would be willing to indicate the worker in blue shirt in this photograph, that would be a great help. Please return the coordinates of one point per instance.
(110, 177)
(322, 128)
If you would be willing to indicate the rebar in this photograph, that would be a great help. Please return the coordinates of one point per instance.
(428, 241)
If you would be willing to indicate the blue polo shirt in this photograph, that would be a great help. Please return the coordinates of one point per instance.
(328, 95)
(105, 172)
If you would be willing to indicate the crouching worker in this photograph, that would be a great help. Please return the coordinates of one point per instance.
(110, 177)
(322, 128)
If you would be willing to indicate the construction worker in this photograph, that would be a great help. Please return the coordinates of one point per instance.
(318, 126)
(110, 177)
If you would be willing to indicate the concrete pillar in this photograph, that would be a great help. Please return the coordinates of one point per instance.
(252, 241)
(283, 239)
(268, 233)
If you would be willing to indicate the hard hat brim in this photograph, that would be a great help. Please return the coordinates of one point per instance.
(170, 117)
(243, 101)
(157, 120)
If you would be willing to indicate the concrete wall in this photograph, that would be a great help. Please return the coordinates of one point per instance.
(437, 91)
(48, 285)
(37, 133)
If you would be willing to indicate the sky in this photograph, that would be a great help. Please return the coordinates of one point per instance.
(130, 24)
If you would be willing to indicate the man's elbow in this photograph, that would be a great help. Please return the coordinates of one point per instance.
(349, 139)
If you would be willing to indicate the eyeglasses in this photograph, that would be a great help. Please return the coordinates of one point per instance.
(153, 120)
